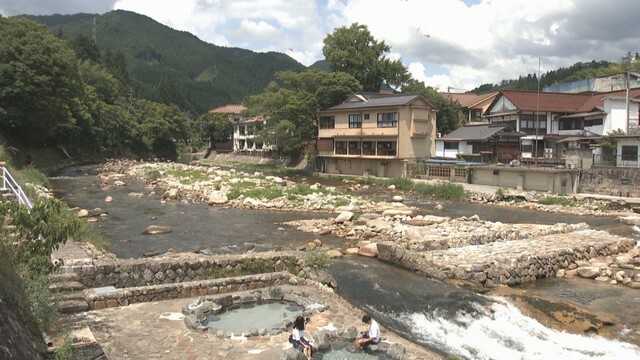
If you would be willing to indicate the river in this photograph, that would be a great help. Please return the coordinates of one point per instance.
(432, 313)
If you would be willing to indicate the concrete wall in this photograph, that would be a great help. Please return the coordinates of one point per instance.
(559, 181)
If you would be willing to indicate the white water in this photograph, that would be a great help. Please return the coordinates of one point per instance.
(504, 333)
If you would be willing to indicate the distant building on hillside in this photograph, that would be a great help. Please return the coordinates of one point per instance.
(608, 83)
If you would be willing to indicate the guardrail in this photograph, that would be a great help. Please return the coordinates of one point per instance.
(9, 183)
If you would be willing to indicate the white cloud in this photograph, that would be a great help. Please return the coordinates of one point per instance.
(466, 46)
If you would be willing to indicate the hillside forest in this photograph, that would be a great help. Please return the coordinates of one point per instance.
(142, 89)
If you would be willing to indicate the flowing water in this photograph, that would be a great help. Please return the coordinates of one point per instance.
(461, 323)
(432, 313)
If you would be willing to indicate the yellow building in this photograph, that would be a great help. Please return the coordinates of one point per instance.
(376, 134)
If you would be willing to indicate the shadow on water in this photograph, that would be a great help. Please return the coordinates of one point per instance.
(459, 322)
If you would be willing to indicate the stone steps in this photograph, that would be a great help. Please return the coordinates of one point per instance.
(73, 306)
(70, 296)
(66, 286)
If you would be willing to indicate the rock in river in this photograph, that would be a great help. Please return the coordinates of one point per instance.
(157, 229)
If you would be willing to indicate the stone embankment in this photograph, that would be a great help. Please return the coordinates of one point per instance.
(488, 253)
(112, 283)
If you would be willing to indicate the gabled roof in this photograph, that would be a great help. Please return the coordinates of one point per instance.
(561, 102)
(544, 101)
(236, 109)
(368, 100)
(468, 100)
(476, 132)
(597, 100)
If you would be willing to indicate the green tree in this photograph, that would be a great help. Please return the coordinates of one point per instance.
(449, 115)
(116, 64)
(293, 106)
(215, 128)
(160, 128)
(355, 51)
(39, 83)
(85, 48)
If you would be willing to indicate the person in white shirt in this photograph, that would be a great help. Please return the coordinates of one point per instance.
(371, 336)
(298, 340)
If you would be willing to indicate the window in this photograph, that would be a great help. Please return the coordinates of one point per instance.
(368, 148)
(528, 123)
(354, 147)
(629, 153)
(341, 148)
(388, 119)
(451, 145)
(241, 129)
(593, 122)
(476, 115)
(366, 116)
(240, 144)
(327, 122)
(250, 144)
(355, 121)
(386, 148)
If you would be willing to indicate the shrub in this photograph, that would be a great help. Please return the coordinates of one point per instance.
(317, 260)
(559, 200)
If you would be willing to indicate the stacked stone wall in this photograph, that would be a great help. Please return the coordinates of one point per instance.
(496, 271)
(183, 290)
(144, 272)
(610, 181)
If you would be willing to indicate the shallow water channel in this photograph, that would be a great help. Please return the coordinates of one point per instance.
(426, 311)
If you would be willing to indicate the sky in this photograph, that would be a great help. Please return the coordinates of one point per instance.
(454, 45)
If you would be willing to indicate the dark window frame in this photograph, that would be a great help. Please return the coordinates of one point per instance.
(327, 122)
(388, 120)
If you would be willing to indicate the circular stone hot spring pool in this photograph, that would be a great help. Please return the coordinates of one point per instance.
(240, 318)
(263, 312)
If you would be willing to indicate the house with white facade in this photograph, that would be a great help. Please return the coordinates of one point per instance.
(555, 122)
(245, 136)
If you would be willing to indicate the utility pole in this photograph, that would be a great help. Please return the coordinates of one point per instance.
(626, 63)
(537, 117)
(93, 32)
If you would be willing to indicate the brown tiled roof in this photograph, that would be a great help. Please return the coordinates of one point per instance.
(597, 100)
(464, 99)
(546, 101)
(229, 109)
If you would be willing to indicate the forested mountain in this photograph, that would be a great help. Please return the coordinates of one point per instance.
(577, 71)
(171, 66)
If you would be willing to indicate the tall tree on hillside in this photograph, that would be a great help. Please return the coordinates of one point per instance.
(216, 128)
(355, 51)
(40, 87)
(449, 115)
(293, 105)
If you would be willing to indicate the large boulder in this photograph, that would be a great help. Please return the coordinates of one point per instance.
(217, 197)
(292, 354)
(369, 250)
(589, 272)
(344, 216)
